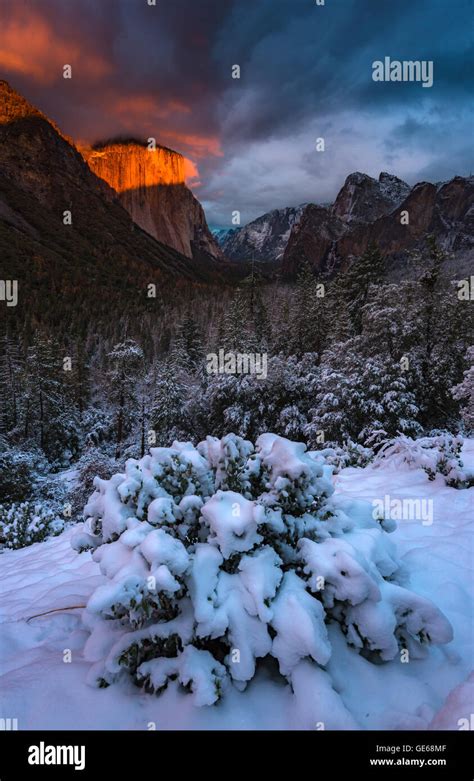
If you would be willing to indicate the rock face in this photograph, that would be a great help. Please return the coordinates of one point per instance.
(264, 239)
(151, 186)
(363, 199)
(312, 240)
(87, 259)
(365, 210)
(447, 211)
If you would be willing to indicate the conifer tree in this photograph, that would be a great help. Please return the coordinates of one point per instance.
(464, 392)
(235, 325)
(190, 343)
(168, 415)
(309, 317)
(11, 366)
(125, 366)
(357, 281)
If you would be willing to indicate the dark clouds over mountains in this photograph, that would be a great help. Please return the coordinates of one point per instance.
(306, 72)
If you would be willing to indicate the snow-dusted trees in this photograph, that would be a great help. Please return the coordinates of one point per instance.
(309, 326)
(168, 410)
(360, 398)
(250, 405)
(125, 368)
(464, 392)
(224, 554)
(368, 354)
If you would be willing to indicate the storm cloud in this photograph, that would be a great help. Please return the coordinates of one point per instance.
(305, 73)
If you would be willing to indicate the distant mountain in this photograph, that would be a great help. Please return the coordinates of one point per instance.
(366, 209)
(151, 186)
(221, 234)
(264, 239)
(363, 199)
(364, 212)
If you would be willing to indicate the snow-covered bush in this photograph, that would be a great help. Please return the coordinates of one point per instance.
(94, 463)
(24, 523)
(349, 454)
(440, 454)
(19, 474)
(226, 553)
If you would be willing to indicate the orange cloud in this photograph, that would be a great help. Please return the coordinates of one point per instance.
(201, 146)
(135, 107)
(30, 47)
(191, 173)
(148, 112)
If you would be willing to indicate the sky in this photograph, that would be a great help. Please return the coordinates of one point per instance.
(165, 71)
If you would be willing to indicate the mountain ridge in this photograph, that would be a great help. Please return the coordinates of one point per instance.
(364, 210)
(64, 235)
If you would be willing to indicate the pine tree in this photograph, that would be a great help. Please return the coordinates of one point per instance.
(358, 396)
(357, 281)
(309, 318)
(79, 379)
(235, 324)
(168, 415)
(190, 344)
(123, 375)
(439, 328)
(49, 414)
(258, 328)
(11, 368)
(464, 392)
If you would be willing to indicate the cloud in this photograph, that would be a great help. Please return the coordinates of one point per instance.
(306, 72)
(29, 46)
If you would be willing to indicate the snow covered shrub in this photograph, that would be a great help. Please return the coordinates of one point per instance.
(94, 463)
(349, 454)
(226, 553)
(24, 523)
(440, 454)
(19, 474)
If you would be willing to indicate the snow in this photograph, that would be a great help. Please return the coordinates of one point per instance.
(435, 692)
(232, 521)
(299, 621)
(192, 667)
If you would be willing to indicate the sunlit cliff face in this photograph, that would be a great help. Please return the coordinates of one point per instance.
(151, 186)
(132, 166)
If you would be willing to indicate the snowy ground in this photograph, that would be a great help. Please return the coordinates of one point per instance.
(43, 692)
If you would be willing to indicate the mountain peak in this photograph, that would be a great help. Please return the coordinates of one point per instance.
(14, 106)
(395, 190)
(363, 199)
